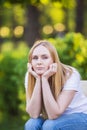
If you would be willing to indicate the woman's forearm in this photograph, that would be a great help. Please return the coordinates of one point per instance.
(51, 105)
(55, 108)
(33, 106)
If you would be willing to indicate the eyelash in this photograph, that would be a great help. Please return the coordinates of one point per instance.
(35, 58)
(45, 57)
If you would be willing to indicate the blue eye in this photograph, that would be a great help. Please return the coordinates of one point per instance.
(35, 58)
(45, 57)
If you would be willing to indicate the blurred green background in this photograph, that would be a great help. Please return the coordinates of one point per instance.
(62, 22)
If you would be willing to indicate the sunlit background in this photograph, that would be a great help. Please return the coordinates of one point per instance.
(62, 22)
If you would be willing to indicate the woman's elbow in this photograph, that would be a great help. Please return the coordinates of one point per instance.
(27, 110)
(31, 113)
(55, 116)
(52, 117)
(34, 116)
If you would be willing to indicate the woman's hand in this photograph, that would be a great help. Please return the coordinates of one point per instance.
(51, 71)
(31, 71)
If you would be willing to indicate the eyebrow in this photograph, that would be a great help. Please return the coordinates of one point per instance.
(41, 55)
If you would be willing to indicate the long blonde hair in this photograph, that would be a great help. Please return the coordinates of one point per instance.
(56, 81)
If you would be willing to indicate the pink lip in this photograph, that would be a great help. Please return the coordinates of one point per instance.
(39, 68)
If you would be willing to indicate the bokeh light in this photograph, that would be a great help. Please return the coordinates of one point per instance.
(18, 31)
(59, 27)
(48, 29)
(4, 32)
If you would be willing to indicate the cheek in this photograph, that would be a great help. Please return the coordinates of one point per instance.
(33, 64)
(48, 64)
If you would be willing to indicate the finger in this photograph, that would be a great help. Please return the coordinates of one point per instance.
(29, 67)
(30, 70)
(54, 68)
(54, 64)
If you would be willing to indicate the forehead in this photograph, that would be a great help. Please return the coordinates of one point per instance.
(41, 50)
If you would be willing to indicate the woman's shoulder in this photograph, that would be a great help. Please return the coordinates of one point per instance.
(73, 82)
(75, 72)
(75, 76)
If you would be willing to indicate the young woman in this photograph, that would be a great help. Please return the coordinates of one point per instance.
(54, 99)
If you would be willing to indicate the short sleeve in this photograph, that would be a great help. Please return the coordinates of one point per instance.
(73, 83)
(26, 80)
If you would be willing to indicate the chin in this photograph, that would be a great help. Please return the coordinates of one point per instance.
(40, 73)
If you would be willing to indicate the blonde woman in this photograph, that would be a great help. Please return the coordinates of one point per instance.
(54, 99)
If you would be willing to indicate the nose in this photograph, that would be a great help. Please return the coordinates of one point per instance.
(39, 61)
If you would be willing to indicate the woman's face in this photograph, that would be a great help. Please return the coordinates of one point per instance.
(41, 59)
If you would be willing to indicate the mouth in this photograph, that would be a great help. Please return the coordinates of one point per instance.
(39, 68)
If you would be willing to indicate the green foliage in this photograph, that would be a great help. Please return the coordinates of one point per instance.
(12, 123)
(12, 73)
(72, 49)
(9, 85)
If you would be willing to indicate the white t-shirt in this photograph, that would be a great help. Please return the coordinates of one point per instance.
(79, 102)
(26, 80)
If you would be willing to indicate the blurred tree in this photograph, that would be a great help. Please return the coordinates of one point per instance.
(35, 9)
(79, 9)
(61, 17)
(80, 16)
(32, 26)
(1, 18)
